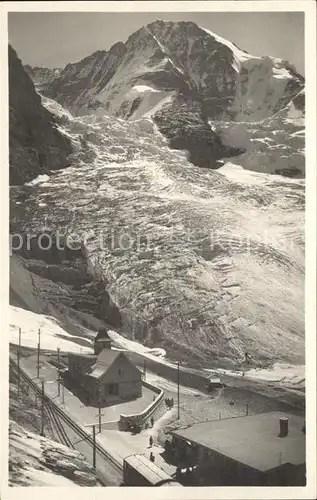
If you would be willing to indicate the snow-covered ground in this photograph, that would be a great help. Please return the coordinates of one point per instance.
(52, 335)
(292, 376)
(274, 145)
(51, 338)
(39, 461)
(237, 173)
(131, 345)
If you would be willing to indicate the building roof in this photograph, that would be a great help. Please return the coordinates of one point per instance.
(82, 355)
(102, 335)
(252, 440)
(103, 362)
(148, 469)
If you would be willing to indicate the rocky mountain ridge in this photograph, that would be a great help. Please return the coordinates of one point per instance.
(40, 74)
(168, 59)
(182, 76)
(36, 145)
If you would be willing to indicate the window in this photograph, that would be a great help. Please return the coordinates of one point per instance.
(120, 371)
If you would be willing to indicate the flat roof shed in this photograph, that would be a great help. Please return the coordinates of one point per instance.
(251, 440)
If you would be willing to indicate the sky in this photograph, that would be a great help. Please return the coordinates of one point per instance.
(54, 39)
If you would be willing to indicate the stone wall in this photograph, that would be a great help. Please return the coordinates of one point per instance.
(141, 418)
(188, 377)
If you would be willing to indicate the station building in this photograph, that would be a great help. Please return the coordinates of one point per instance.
(107, 376)
(266, 449)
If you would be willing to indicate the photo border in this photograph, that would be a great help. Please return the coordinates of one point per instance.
(309, 8)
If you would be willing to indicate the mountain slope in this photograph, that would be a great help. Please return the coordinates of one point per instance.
(274, 145)
(185, 77)
(42, 75)
(198, 262)
(168, 59)
(36, 145)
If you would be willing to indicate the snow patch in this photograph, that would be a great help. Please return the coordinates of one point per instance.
(281, 373)
(239, 55)
(52, 335)
(38, 180)
(131, 345)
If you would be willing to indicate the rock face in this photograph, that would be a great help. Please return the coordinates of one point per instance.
(183, 76)
(42, 75)
(40, 461)
(275, 145)
(36, 144)
(185, 126)
(63, 289)
(35, 460)
(173, 59)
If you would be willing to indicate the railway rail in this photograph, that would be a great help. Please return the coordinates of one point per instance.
(56, 413)
(109, 470)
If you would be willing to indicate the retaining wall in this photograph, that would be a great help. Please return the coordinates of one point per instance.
(140, 418)
(188, 377)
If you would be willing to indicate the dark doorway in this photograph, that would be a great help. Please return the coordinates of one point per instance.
(114, 389)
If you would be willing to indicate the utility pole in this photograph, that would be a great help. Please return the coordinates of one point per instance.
(58, 374)
(94, 446)
(38, 353)
(178, 412)
(18, 356)
(42, 410)
(99, 417)
(99, 410)
(63, 394)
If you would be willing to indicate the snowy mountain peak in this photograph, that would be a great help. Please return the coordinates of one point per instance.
(176, 61)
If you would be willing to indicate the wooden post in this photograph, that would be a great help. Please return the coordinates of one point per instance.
(42, 410)
(63, 394)
(58, 374)
(99, 410)
(38, 353)
(94, 447)
(18, 356)
(99, 417)
(178, 402)
(247, 409)
(144, 370)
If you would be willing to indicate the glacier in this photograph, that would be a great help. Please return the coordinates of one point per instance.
(205, 264)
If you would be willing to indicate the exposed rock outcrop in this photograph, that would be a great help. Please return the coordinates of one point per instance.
(181, 59)
(41, 75)
(36, 144)
(182, 76)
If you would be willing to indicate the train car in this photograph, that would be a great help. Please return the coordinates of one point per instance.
(140, 471)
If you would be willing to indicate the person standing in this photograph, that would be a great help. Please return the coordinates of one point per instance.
(152, 421)
(152, 458)
(151, 441)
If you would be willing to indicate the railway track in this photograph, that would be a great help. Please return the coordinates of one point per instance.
(57, 427)
(57, 414)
